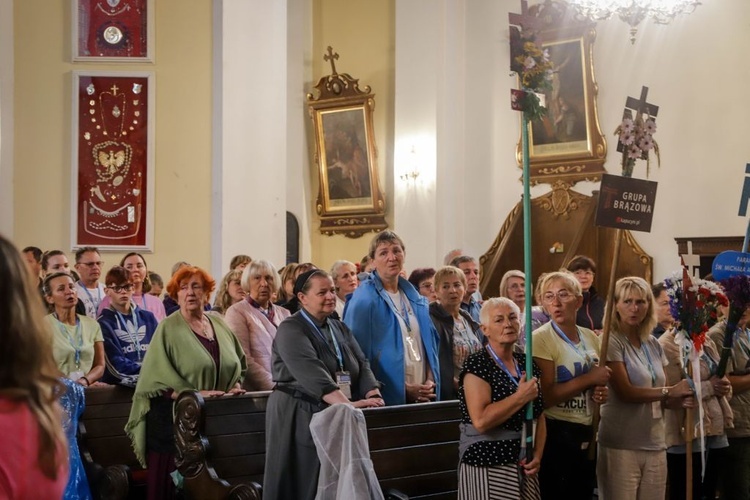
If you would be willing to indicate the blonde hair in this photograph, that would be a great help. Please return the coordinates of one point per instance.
(445, 272)
(28, 372)
(568, 279)
(633, 285)
(223, 299)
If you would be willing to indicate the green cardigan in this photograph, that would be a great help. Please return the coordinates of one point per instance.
(177, 360)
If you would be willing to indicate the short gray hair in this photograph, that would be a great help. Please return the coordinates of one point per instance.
(258, 268)
(337, 266)
(490, 304)
(385, 237)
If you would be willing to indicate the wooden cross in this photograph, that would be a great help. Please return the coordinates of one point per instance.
(331, 56)
(526, 20)
(114, 89)
(690, 260)
(640, 105)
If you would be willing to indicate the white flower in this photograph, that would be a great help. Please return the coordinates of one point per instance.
(529, 62)
(545, 55)
(627, 125)
(646, 143)
(650, 126)
(627, 138)
(634, 152)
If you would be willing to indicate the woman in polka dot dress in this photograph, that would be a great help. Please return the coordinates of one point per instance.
(493, 394)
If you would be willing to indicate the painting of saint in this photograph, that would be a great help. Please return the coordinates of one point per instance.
(347, 161)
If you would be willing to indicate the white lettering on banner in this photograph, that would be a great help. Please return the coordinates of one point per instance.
(631, 206)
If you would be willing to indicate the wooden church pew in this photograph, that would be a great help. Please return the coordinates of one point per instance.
(112, 470)
(221, 447)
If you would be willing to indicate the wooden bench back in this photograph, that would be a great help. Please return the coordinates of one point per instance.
(221, 446)
(414, 448)
(109, 460)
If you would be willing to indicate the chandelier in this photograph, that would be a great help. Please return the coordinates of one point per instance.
(634, 11)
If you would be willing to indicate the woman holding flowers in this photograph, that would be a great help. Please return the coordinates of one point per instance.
(715, 392)
(632, 460)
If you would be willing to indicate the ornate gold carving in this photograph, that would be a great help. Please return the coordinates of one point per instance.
(350, 201)
(561, 200)
(556, 152)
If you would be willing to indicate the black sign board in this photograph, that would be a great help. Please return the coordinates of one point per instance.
(626, 203)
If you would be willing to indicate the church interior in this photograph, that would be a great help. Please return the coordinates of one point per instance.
(233, 142)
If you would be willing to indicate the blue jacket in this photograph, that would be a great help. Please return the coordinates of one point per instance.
(123, 359)
(376, 328)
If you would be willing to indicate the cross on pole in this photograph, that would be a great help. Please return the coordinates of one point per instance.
(691, 260)
(331, 56)
(640, 105)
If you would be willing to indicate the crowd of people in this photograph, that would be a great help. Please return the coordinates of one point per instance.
(369, 334)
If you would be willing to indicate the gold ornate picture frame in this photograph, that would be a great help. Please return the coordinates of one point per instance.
(350, 201)
(567, 144)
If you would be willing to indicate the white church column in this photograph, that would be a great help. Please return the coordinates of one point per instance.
(258, 56)
(6, 118)
(429, 119)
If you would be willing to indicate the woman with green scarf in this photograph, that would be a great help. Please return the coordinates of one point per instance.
(189, 351)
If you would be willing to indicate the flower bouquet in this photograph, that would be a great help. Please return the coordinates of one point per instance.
(635, 141)
(737, 290)
(534, 69)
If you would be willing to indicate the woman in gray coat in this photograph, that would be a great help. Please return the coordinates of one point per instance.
(316, 362)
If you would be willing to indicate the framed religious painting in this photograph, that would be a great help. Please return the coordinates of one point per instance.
(566, 143)
(112, 192)
(113, 30)
(350, 201)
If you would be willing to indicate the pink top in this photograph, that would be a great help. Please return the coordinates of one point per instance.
(147, 302)
(20, 475)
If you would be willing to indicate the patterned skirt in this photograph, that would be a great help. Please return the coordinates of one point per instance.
(495, 483)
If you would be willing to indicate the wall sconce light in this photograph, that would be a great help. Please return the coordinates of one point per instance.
(413, 172)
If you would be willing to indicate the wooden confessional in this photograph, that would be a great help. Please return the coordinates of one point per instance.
(562, 224)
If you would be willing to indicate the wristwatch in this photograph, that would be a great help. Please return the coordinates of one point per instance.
(664, 392)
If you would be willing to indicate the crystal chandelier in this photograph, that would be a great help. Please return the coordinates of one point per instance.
(634, 11)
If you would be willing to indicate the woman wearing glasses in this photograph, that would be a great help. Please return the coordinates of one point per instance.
(572, 382)
(136, 264)
(77, 342)
(127, 330)
(632, 460)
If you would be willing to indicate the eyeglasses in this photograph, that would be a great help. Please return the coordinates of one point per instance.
(562, 296)
(582, 272)
(121, 288)
(98, 263)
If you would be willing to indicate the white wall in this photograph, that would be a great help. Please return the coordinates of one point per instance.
(695, 70)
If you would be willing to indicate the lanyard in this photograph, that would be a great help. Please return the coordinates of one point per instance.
(142, 305)
(98, 299)
(586, 358)
(67, 335)
(124, 327)
(504, 368)
(649, 364)
(325, 341)
(403, 313)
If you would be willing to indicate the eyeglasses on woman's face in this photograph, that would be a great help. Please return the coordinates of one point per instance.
(562, 295)
(121, 288)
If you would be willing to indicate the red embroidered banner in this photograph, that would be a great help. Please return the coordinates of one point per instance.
(112, 28)
(113, 152)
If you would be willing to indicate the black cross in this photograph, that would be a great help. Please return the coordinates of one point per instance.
(640, 105)
(331, 57)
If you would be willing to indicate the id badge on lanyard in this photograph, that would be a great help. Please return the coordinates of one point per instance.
(344, 381)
